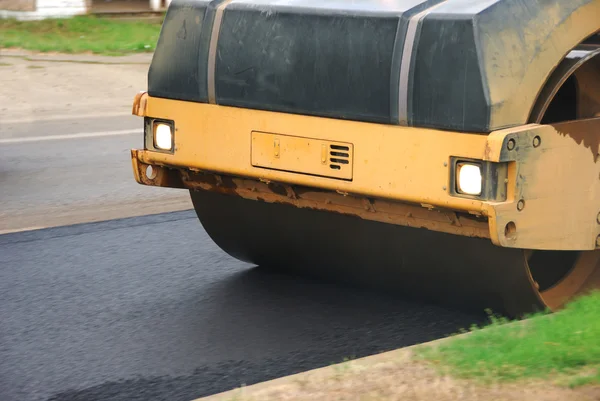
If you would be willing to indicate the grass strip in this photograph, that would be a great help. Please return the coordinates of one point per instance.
(564, 346)
(81, 34)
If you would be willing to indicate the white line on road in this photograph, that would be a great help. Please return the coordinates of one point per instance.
(79, 135)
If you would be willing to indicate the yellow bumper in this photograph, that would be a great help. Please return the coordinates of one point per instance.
(549, 176)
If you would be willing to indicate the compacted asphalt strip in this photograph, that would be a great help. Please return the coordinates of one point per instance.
(149, 308)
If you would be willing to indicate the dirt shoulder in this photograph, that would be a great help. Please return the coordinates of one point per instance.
(39, 86)
(547, 357)
(397, 375)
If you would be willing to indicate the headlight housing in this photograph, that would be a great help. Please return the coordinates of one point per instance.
(159, 135)
(478, 179)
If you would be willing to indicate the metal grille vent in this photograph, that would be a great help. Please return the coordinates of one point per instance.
(338, 156)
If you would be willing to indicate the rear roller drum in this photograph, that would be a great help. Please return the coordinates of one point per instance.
(422, 264)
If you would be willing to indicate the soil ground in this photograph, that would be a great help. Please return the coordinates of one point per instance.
(397, 376)
(36, 86)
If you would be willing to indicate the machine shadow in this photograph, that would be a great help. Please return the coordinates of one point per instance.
(285, 313)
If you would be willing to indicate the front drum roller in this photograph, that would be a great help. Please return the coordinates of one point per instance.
(466, 272)
(422, 264)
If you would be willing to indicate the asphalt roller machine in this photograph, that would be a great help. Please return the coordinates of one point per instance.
(446, 149)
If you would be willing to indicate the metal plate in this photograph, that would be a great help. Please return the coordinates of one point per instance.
(302, 155)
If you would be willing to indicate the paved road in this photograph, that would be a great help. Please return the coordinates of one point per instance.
(53, 173)
(146, 307)
(149, 308)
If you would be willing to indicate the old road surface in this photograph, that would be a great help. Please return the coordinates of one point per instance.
(113, 291)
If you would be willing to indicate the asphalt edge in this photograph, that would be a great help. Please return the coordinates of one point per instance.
(45, 233)
(404, 353)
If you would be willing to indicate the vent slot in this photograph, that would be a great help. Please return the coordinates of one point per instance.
(339, 156)
(302, 155)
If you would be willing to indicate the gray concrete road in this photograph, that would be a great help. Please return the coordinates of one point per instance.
(51, 174)
(146, 307)
(65, 134)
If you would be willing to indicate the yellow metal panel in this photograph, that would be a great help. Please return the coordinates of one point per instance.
(553, 186)
(558, 182)
(302, 155)
(389, 161)
(383, 211)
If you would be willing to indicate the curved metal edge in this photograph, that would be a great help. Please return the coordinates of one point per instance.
(573, 283)
(569, 65)
(140, 103)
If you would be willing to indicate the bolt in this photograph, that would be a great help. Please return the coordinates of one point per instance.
(444, 187)
(537, 141)
(511, 144)
(445, 164)
(521, 205)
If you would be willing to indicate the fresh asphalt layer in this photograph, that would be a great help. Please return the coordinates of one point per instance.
(149, 308)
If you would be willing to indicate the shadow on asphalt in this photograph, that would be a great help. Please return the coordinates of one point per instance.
(274, 324)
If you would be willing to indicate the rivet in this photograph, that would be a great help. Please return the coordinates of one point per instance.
(536, 141)
(445, 164)
(521, 205)
(444, 187)
(511, 144)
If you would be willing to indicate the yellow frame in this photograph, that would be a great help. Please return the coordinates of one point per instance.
(404, 164)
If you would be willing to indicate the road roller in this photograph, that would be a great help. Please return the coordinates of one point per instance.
(446, 150)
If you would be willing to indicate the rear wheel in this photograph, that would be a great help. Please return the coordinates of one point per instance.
(571, 93)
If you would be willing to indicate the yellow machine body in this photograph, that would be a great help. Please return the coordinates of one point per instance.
(385, 203)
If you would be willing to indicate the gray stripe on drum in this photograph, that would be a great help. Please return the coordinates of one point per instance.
(212, 52)
(409, 44)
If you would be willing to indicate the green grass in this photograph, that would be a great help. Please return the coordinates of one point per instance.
(564, 346)
(80, 35)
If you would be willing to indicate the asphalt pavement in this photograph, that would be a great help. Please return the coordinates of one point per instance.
(110, 290)
(149, 308)
(75, 170)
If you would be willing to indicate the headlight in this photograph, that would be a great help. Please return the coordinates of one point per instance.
(163, 136)
(469, 179)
